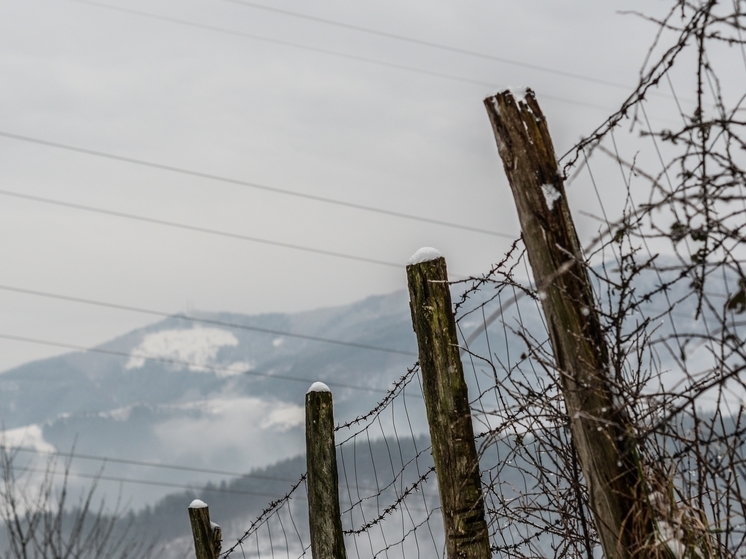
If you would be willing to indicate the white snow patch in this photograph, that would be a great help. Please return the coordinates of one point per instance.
(318, 387)
(277, 342)
(672, 538)
(197, 504)
(198, 346)
(519, 93)
(30, 436)
(425, 254)
(551, 195)
(656, 499)
(496, 106)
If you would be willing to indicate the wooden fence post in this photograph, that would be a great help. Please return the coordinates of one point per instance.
(207, 535)
(599, 423)
(324, 516)
(448, 412)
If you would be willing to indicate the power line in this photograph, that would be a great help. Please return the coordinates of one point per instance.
(422, 42)
(338, 54)
(149, 482)
(175, 485)
(180, 362)
(77, 455)
(201, 320)
(198, 229)
(248, 184)
(441, 46)
(207, 230)
(203, 488)
(109, 459)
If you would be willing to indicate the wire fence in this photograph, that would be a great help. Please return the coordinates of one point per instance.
(667, 269)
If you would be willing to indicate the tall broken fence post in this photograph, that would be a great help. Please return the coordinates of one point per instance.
(324, 516)
(598, 421)
(448, 412)
(207, 535)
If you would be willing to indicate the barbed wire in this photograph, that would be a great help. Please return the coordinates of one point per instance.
(667, 268)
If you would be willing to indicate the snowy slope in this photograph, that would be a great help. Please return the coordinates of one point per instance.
(208, 395)
(230, 398)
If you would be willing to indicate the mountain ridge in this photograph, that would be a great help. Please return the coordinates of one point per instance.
(213, 397)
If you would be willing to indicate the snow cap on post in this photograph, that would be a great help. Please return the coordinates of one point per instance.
(197, 504)
(519, 93)
(425, 254)
(318, 387)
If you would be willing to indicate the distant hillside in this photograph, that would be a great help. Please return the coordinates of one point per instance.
(216, 397)
(227, 394)
(233, 505)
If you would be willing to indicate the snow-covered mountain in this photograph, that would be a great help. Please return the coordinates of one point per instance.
(224, 394)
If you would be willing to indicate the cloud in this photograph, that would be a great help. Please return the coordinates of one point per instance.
(246, 429)
(29, 436)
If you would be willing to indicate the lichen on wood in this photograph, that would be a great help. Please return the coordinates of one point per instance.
(448, 412)
(598, 420)
(324, 516)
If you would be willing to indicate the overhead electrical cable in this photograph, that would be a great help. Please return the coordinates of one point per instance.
(109, 459)
(422, 42)
(169, 19)
(212, 322)
(195, 488)
(207, 230)
(198, 229)
(238, 182)
(126, 461)
(180, 362)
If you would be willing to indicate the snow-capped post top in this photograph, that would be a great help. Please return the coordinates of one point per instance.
(206, 534)
(425, 254)
(318, 387)
(519, 93)
(322, 481)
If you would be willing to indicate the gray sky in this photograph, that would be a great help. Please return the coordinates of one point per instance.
(390, 135)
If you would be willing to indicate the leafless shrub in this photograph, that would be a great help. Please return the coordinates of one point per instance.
(668, 270)
(671, 289)
(41, 522)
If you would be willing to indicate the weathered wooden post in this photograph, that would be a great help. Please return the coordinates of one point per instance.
(324, 516)
(207, 535)
(447, 403)
(598, 420)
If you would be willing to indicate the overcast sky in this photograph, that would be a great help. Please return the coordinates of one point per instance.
(264, 97)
